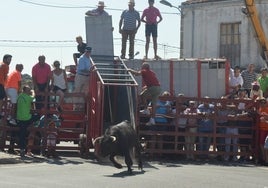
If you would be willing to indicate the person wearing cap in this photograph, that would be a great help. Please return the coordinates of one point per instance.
(149, 17)
(41, 74)
(81, 82)
(59, 83)
(4, 69)
(151, 89)
(256, 91)
(80, 48)
(128, 26)
(99, 11)
(263, 81)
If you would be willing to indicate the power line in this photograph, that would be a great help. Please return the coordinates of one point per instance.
(78, 7)
(52, 43)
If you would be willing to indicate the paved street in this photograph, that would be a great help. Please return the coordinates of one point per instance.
(72, 171)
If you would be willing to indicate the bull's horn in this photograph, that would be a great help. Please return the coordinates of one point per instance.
(96, 140)
(113, 138)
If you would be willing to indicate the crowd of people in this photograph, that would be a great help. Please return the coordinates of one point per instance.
(25, 98)
(233, 117)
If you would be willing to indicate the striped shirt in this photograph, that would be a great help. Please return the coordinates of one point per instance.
(130, 17)
(248, 78)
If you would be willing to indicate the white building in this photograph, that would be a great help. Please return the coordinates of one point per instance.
(218, 28)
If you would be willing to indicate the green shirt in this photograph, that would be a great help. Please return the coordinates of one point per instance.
(24, 106)
(263, 83)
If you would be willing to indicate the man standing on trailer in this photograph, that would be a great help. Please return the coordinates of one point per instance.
(149, 17)
(99, 11)
(151, 89)
(130, 19)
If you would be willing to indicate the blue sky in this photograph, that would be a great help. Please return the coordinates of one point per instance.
(25, 26)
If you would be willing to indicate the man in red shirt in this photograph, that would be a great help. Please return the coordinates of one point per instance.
(41, 75)
(149, 17)
(151, 89)
(4, 69)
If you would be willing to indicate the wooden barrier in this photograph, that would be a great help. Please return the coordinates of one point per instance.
(172, 138)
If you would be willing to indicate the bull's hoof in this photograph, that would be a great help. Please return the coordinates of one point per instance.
(118, 166)
(130, 171)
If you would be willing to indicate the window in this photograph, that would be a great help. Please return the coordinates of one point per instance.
(230, 45)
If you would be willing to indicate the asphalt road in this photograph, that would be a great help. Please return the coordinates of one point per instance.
(72, 171)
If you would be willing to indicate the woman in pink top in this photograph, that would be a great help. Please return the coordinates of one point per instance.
(149, 16)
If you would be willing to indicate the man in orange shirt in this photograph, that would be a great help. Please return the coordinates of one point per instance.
(13, 85)
(263, 129)
(4, 69)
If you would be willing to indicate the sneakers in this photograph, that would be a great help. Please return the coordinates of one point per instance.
(145, 111)
(151, 122)
(157, 57)
(30, 154)
(13, 121)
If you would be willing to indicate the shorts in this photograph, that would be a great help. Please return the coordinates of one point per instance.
(152, 93)
(151, 29)
(56, 88)
(12, 93)
(77, 55)
(2, 92)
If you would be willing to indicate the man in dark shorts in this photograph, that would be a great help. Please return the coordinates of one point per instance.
(149, 17)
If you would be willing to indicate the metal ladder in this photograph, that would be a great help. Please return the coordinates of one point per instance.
(111, 70)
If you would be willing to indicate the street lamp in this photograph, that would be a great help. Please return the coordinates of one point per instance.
(164, 2)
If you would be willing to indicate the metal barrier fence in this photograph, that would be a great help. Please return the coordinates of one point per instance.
(232, 134)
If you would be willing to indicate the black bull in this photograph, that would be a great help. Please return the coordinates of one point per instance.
(119, 140)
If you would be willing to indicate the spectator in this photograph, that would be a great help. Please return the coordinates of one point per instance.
(41, 74)
(205, 125)
(249, 76)
(263, 129)
(191, 128)
(98, 11)
(181, 121)
(25, 119)
(231, 129)
(151, 90)
(245, 126)
(80, 48)
(256, 92)
(263, 81)
(149, 17)
(163, 109)
(59, 83)
(235, 82)
(13, 85)
(130, 20)
(4, 69)
(81, 82)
